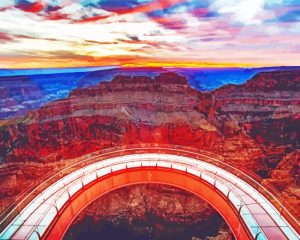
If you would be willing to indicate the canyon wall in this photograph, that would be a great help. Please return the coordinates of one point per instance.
(254, 126)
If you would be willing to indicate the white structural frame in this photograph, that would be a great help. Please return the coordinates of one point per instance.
(255, 210)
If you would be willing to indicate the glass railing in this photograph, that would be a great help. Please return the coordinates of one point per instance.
(15, 208)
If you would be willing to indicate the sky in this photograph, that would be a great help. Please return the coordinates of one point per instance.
(193, 33)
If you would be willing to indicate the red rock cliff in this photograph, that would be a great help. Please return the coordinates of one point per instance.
(254, 125)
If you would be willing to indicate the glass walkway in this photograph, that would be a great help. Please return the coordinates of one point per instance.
(257, 214)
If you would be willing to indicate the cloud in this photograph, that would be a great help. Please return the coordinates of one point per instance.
(291, 16)
(99, 43)
(21, 36)
(121, 7)
(179, 15)
(116, 5)
(133, 37)
(170, 22)
(242, 11)
(4, 38)
(142, 30)
(147, 44)
(30, 5)
(80, 13)
(6, 4)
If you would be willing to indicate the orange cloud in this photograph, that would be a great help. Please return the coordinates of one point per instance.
(69, 60)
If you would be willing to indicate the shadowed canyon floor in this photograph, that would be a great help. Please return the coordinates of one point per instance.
(148, 211)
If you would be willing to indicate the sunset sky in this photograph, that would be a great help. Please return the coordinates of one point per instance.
(70, 33)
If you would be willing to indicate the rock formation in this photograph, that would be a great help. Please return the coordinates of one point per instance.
(254, 126)
(147, 211)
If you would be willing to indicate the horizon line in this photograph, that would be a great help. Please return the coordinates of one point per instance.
(154, 65)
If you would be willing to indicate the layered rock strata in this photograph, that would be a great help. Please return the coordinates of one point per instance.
(254, 126)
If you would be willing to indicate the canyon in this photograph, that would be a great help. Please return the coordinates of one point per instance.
(149, 211)
(253, 126)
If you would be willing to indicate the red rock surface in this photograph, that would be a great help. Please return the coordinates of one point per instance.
(153, 211)
(254, 126)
